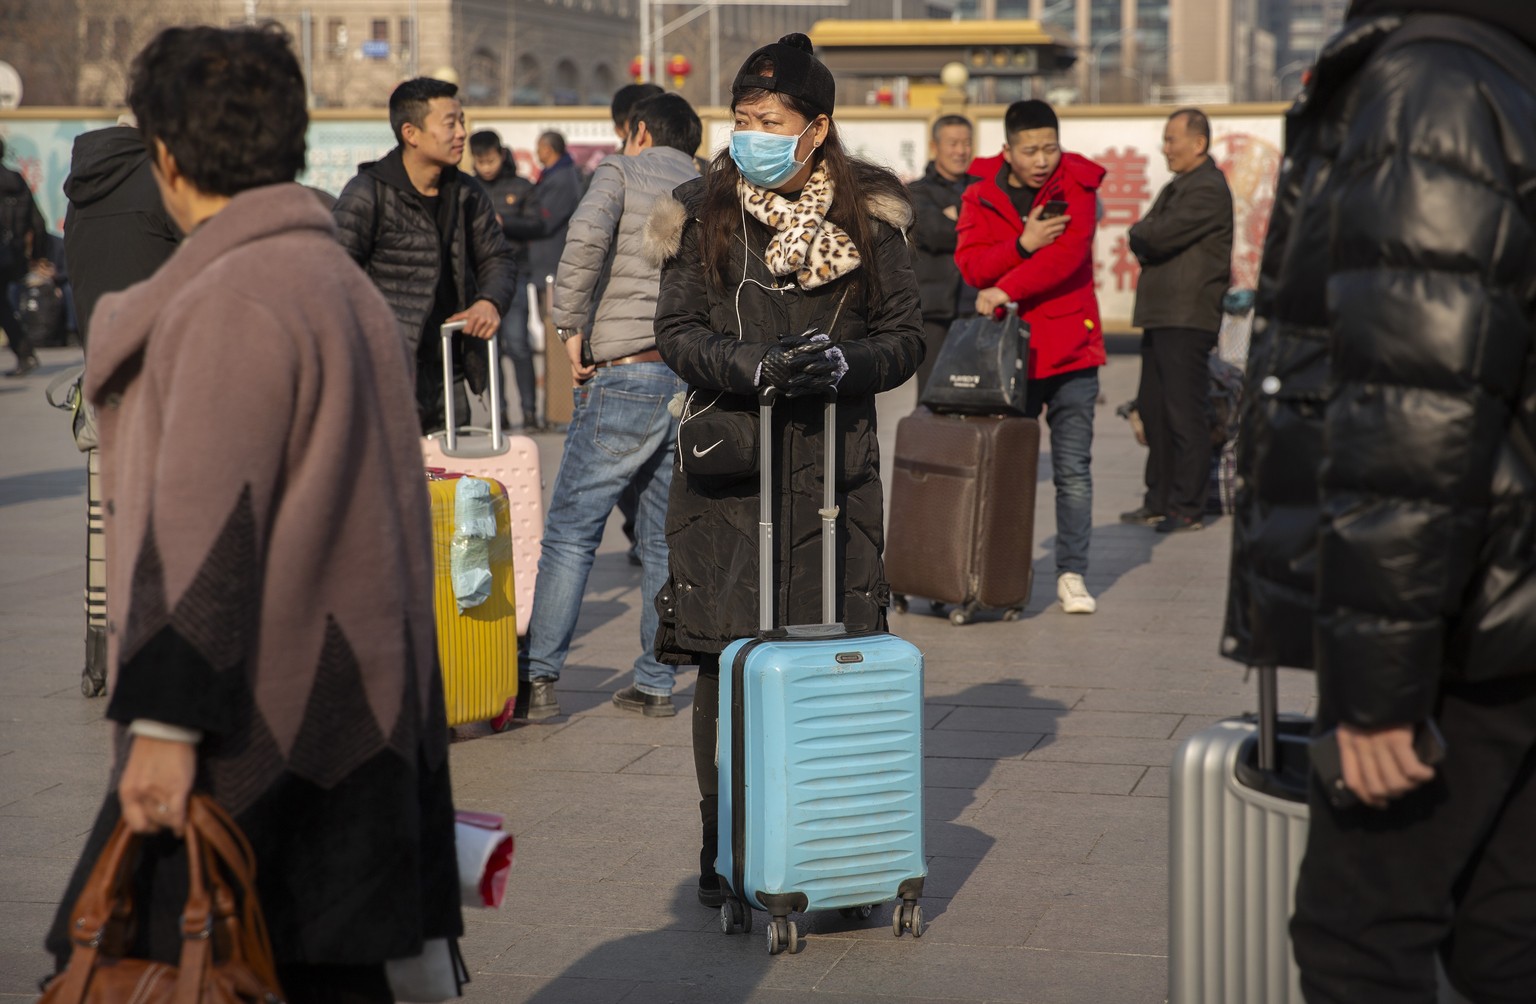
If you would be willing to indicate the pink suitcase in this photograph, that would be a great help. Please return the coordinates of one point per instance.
(512, 460)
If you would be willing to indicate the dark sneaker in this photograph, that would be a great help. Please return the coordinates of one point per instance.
(1141, 517)
(536, 700)
(651, 705)
(711, 891)
(23, 367)
(1178, 524)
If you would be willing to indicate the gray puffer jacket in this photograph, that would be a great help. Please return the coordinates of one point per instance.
(602, 262)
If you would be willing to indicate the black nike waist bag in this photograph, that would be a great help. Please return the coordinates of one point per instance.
(717, 435)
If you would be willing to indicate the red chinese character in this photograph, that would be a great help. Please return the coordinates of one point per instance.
(1126, 187)
(1126, 268)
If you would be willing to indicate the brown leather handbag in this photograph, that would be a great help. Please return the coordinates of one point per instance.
(226, 957)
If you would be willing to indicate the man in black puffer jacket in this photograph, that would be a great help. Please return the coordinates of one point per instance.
(426, 234)
(1385, 531)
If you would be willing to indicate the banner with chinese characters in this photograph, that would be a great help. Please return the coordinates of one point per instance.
(1247, 147)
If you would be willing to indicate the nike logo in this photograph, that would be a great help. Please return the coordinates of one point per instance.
(699, 453)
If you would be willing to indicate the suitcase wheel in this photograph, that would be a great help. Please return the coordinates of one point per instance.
(92, 685)
(735, 916)
(907, 917)
(856, 912)
(783, 936)
(938, 607)
(961, 616)
(899, 603)
(1013, 613)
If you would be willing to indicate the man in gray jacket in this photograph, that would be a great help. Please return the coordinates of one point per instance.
(1184, 245)
(622, 434)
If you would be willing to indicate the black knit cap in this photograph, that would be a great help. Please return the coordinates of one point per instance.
(797, 73)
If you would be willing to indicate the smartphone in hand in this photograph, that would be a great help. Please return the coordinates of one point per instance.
(1053, 209)
(1428, 746)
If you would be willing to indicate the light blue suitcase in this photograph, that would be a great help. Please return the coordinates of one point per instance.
(820, 758)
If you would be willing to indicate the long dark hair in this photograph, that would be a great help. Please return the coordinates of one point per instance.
(855, 183)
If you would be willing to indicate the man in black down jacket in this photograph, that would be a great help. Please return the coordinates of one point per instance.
(427, 235)
(1385, 531)
(1184, 245)
(936, 209)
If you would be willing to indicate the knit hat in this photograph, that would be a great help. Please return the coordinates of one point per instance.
(797, 73)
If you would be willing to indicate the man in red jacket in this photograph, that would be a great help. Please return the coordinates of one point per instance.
(1016, 249)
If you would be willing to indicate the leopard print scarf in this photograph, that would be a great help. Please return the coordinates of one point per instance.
(804, 243)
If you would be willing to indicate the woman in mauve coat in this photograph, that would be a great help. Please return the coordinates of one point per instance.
(271, 637)
(785, 239)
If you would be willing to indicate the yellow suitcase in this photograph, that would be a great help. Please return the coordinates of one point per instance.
(477, 647)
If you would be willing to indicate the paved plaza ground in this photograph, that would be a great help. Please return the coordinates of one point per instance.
(1046, 755)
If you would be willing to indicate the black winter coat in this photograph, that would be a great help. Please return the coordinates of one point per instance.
(933, 242)
(116, 231)
(1385, 530)
(1184, 244)
(507, 191)
(711, 596)
(387, 231)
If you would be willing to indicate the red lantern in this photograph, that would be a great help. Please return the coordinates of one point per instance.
(637, 68)
(679, 67)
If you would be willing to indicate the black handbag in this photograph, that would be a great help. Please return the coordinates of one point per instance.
(982, 368)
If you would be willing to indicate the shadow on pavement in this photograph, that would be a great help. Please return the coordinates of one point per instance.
(688, 950)
(992, 723)
(64, 482)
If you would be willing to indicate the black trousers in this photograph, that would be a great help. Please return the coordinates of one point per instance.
(706, 734)
(1174, 401)
(15, 332)
(1448, 869)
(934, 333)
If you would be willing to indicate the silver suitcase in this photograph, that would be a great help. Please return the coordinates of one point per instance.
(1237, 830)
(1237, 821)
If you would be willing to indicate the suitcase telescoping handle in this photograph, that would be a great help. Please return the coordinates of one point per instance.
(829, 512)
(1269, 718)
(451, 435)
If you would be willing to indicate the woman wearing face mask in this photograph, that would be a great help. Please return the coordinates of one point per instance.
(785, 267)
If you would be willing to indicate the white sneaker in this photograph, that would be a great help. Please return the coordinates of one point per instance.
(1074, 596)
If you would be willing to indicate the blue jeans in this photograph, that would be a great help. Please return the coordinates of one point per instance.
(514, 343)
(1069, 400)
(621, 434)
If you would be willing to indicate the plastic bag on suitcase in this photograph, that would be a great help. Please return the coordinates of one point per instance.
(982, 368)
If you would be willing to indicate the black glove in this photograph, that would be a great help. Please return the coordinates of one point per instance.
(798, 366)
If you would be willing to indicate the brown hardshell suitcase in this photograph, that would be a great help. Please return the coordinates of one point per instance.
(963, 512)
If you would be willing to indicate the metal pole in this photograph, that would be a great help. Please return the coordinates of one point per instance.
(714, 54)
(415, 41)
(644, 14)
(658, 9)
(307, 42)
